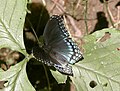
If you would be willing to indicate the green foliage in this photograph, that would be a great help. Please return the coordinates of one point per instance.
(12, 16)
(98, 71)
(16, 77)
(59, 77)
(101, 62)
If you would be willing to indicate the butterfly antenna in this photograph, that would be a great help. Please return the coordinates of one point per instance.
(39, 43)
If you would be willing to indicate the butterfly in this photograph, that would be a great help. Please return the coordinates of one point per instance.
(59, 50)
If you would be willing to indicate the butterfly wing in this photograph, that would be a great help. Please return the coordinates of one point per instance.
(45, 58)
(58, 43)
(59, 49)
(55, 30)
(68, 50)
(42, 56)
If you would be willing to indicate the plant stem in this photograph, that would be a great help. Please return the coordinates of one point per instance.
(40, 44)
(46, 74)
(85, 15)
(106, 6)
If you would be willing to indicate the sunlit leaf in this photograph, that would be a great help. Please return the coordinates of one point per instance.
(16, 78)
(12, 16)
(99, 71)
(59, 77)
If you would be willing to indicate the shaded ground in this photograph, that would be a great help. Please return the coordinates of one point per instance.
(96, 12)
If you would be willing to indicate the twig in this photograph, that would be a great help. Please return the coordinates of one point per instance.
(40, 44)
(85, 15)
(116, 24)
(112, 18)
(46, 74)
(54, 5)
(44, 3)
(77, 5)
(58, 6)
(75, 28)
(106, 6)
(118, 15)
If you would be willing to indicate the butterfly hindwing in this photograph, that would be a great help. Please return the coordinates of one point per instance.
(43, 57)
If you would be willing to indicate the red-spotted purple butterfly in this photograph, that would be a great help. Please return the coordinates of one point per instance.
(59, 49)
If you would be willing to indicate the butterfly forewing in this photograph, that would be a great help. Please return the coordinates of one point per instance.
(55, 30)
(59, 50)
(57, 38)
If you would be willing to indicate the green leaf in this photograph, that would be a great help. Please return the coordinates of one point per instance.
(16, 77)
(60, 78)
(101, 64)
(12, 16)
(100, 68)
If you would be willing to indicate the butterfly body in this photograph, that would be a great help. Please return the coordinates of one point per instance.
(59, 49)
